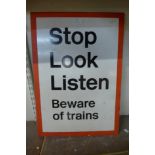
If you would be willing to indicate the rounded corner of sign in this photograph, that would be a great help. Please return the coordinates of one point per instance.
(121, 15)
(40, 133)
(116, 132)
(32, 15)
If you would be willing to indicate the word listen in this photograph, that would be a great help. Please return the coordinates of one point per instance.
(81, 83)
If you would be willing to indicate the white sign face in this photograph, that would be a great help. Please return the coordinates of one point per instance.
(77, 72)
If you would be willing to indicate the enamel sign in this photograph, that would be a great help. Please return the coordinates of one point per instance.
(77, 66)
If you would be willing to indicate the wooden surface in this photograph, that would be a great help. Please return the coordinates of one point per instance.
(33, 141)
(88, 145)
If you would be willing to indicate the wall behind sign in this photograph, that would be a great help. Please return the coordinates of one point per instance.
(84, 6)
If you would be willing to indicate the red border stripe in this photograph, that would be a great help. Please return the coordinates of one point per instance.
(120, 16)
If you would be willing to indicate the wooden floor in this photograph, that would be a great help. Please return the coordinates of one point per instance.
(88, 145)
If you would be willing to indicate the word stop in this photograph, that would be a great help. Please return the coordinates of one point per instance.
(76, 37)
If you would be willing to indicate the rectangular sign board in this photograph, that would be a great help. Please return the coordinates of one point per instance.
(77, 66)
